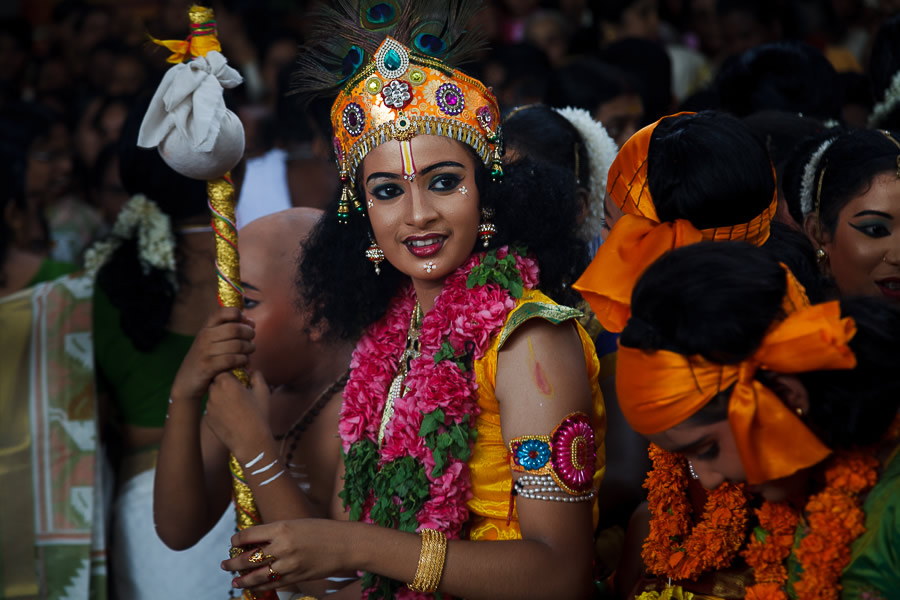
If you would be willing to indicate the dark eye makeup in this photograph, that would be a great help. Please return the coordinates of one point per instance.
(873, 229)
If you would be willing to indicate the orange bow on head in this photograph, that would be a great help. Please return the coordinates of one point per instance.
(638, 239)
(660, 389)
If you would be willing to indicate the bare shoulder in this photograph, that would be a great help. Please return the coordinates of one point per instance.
(541, 377)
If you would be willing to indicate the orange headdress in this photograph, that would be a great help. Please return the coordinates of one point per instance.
(659, 389)
(391, 67)
(638, 238)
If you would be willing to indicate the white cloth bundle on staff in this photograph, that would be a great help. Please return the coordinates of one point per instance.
(187, 119)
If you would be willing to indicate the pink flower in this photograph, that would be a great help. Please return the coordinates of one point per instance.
(529, 269)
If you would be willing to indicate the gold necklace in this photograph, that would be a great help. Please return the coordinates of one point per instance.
(409, 353)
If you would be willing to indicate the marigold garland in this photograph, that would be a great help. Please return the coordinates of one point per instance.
(769, 546)
(834, 519)
(674, 550)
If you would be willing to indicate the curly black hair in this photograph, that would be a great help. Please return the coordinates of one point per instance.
(343, 293)
(719, 299)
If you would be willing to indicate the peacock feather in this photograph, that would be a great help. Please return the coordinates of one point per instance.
(347, 34)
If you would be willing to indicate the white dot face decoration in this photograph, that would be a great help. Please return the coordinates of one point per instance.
(429, 266)
(463, 190)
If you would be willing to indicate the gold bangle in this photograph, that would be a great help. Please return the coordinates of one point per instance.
(431, 562)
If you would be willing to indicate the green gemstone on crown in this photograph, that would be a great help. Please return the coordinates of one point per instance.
(392, 60)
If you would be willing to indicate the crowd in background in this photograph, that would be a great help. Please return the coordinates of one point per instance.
(73, 73)
(70, 70)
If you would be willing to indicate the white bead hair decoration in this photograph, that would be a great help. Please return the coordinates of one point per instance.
(807, 184)
(888, 104)
(601, 150)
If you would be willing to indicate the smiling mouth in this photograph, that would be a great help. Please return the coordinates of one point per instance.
(890, 287)
(423, 246)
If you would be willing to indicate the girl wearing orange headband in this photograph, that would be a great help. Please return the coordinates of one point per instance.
(772, 404)
(683, 179)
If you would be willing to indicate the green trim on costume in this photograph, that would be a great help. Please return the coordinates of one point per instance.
(554, 313)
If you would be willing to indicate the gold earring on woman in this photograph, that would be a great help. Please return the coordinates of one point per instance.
(375, 255)
(487, 229)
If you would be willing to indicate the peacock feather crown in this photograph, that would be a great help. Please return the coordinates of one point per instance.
(391, 70)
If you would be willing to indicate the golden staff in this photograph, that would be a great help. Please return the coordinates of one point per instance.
(203, 38)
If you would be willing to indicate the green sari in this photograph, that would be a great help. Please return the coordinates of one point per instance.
(52, 538)
(874, 569)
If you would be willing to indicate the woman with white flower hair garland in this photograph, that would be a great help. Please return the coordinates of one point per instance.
(850, 197)
(154, 291)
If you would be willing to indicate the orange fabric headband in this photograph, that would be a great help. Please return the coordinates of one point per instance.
(658, 390)
(638, 238)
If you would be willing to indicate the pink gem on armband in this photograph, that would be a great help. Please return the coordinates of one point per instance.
(574, 454)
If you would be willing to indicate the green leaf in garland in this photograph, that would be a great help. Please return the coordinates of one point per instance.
(501, 271)
(361, 465)
(431, 422)
(401, 489)
(761, 534)
(446, 352)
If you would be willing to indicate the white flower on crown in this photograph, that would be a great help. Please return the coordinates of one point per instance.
(808, 184)
(156, 243)
(888, 104)
(601, 151)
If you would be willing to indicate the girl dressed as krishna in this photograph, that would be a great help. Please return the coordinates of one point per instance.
(472, 412)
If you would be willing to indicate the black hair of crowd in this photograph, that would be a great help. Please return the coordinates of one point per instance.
(718, 300)
(713, 170)
(587, 83)
(344, 295)
(789, 76)
(708, 168)
(884, 64)
(145, 299)
(543, 134)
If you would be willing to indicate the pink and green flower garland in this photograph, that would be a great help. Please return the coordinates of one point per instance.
(420, 477)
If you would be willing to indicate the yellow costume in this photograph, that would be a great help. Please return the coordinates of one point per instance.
(489, 464)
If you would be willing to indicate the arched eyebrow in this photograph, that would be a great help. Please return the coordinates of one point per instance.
(874, 213)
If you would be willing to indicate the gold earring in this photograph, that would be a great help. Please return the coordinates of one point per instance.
(821, 255)
(799, 411)
(375, 255)
(486, 230)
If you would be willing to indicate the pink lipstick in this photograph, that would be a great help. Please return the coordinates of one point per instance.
(424, 245)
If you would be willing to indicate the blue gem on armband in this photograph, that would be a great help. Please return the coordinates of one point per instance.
(533, 454)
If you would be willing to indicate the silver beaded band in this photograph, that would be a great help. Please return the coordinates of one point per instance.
(543, 487)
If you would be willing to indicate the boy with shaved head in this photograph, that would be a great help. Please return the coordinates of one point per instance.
(290, 435)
